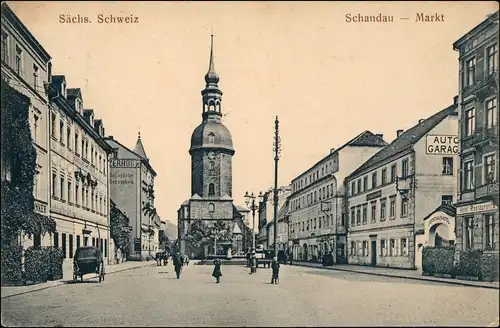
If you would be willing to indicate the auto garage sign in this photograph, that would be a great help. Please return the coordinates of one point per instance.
(442, 145)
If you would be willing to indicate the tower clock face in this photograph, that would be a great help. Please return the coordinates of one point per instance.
(211, 155)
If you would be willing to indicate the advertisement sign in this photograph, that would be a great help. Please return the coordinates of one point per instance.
(441, 145)
(476, 208)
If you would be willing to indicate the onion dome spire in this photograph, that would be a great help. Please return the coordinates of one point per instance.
(211, 77)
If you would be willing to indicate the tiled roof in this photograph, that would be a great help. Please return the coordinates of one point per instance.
(406, 140)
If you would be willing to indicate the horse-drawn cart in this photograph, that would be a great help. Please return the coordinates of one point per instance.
(87, 260)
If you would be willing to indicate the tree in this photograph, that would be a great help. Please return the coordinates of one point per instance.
(198, 234)
(119, 229)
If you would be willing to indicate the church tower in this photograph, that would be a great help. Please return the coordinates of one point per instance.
(211, 144)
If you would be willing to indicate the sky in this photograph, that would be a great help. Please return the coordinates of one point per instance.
(327, 79)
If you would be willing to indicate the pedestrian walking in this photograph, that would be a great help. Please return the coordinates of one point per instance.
(176, 259)
(275, 266)
(217, 273)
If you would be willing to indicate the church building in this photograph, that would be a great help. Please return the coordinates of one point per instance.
(211, 173)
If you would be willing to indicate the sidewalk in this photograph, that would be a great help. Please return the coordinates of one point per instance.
(9, 291)
(398, 273)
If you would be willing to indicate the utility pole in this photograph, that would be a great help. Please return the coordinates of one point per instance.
(277, 153)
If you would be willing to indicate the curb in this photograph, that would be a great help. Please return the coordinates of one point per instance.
(401, 277)
(60, 282)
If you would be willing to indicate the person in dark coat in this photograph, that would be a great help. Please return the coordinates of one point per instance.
(176, 259)
(275, 266)
(217, 273)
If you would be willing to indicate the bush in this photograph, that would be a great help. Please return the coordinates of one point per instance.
(469, 264)
(12, 269)
(55, 263)
(36, 264)
(438, 260)
(489, 266)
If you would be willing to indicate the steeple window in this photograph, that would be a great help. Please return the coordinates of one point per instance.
(211, 138)
(211, 189)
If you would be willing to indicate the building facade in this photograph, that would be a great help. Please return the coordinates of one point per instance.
(283, 194)
(79, 173)
(211, 169)
(392, 196)
(477, 225)
(26, 67)
(317, 218)
(132, 181)
(266, 215)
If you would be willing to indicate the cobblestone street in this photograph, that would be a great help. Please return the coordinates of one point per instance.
(304, 297)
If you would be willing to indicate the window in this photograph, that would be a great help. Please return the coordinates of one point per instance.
(384, 176)
(392, 210)
(468, 183)
(56, 239)
(470, 122)
(53, 129)
(314, 223)
(491, 113)
(35, 77)
(353, 247)
(63, 244)
(404, 249)
(392, 247)
(447, 165)
(374, 180)
(365, 248)
(211, 189)
(382, 209)
(404, 207)
(77, 194)
(365, 213)
(492, 58)
(394, 172)
(70, 199)
(62, 187)
(447, 199)
(54, 184)
(359, 185)
(353, 217)
(382, 248)
(84, 155)
(105, 248)
(19, 60)
(365, 183)
(63, 90)
(92, 200)
(489, 169)
(211, 138)
(374, 211)
(77, 241)
(469, 233)
(101, 210)
(404, 172)
(70, 246)
(489, 231)
(5, 47)
(470, 72)
(35, 129)
(353, 188)
(68, 137)
(211, 207)
(315, 194)
(358, 215)
(92, 155)
(61, 130)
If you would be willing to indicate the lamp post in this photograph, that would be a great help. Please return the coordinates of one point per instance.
(277, 153)
(250, 201)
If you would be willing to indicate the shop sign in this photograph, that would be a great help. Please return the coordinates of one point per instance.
(441, 145)
(476, 208)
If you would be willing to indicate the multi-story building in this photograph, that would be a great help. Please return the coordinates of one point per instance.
(400, 199)
(281, 241)
(477, 222)
(132, 189)
(26, 67)
(317, 219)
(266, 214)
(79, 173)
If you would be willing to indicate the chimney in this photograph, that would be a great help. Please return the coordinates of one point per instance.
(399, 133)
(380, 135)
(332, 150)
(455, 100)
(111, 137)
(420, 120)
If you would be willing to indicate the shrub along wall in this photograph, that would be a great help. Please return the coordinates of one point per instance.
(469, 264)
(12, 268)
(438, 260)
(42, 264)
(489, 266)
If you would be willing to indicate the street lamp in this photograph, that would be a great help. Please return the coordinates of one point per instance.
(250, 201)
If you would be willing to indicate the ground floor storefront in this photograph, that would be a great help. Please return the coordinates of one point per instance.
(312, 249)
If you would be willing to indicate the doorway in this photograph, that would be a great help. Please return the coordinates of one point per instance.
(373, 250)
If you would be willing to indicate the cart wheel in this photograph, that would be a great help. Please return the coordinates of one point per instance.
(75, 277)
(81, 277)
(103, 272)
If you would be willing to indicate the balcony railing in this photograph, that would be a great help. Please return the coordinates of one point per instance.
(481, 135)
(482, 80)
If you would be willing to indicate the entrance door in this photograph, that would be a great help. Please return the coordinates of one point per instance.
(373, 249)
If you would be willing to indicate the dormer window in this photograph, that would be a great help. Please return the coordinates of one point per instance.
(78, 105)
(63, 89)
(211, 138)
